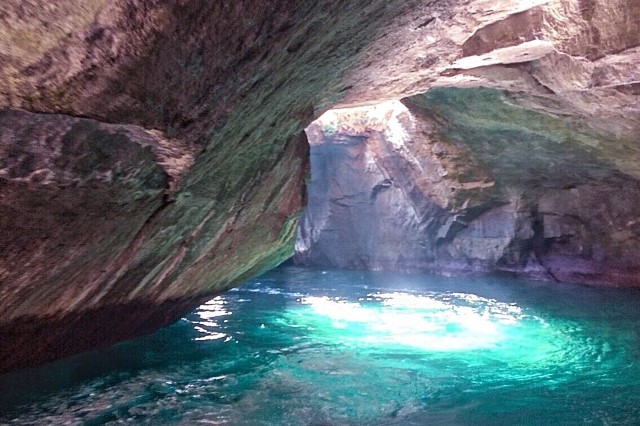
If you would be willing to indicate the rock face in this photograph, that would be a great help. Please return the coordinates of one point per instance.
(467, 180)
(153, 155)
(152, 152)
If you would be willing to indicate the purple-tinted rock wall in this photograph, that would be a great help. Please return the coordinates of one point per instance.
(483, 190)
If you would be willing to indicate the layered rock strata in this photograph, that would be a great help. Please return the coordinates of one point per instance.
(153, 155)
(469, 180)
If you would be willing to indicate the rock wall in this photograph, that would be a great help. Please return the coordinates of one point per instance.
(153, 155)
(467, 180)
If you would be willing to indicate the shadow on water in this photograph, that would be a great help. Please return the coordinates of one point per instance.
(309, 346)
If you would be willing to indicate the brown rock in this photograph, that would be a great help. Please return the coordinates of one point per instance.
(168, 158)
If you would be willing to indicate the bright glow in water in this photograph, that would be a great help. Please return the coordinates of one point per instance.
(303, 347)
(414, 321)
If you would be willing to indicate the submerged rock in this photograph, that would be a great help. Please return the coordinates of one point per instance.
(153, 154)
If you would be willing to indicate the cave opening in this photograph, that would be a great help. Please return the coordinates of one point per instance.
(468, 254)
(460, 181)
(425, 288)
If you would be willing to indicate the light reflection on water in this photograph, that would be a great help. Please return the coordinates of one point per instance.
(215, 308)
(345, 347)
(418, 321)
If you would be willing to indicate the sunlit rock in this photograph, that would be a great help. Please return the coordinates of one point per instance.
(469, 180)
(203, 105)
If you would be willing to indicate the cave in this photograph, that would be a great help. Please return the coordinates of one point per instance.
(288, 212)
(459, 181)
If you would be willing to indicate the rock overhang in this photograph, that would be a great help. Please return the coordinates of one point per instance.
(220, 93)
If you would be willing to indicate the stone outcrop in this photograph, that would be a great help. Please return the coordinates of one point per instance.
(153, 155)
(467, 180)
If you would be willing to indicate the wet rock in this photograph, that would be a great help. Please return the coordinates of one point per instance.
(168, 158)
(480, 184)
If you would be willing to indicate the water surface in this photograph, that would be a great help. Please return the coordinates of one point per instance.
(312, 347)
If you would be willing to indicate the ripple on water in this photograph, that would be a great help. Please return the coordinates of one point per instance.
(344, 347)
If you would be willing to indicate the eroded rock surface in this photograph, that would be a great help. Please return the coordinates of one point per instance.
(467, 180)
(153, 154)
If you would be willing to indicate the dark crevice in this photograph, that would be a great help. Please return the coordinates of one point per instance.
(425, 23)
(378, 188)
(539, 244)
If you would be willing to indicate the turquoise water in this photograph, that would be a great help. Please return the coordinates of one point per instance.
(313, 347)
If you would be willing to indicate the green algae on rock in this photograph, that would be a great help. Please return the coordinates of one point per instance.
(474, 182)
(203, 104)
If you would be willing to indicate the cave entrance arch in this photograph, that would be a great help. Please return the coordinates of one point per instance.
(468, 181)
